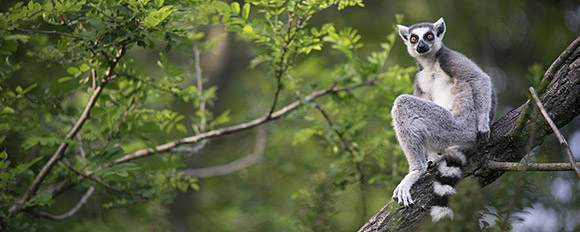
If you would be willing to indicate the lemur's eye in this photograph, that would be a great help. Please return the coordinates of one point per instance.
(429, 36)
(413, 39)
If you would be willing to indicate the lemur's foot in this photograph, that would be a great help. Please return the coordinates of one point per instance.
(402, 193)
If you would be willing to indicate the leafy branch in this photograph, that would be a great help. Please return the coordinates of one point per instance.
(76, 128)
(231, 129)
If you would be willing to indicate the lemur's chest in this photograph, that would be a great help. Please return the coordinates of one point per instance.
(437, 85)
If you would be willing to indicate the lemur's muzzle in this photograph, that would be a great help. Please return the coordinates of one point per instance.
(422, 47)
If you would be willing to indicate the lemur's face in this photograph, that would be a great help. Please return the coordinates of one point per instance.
(423, 39)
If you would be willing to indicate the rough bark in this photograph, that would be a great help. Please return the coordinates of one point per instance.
(561, 99)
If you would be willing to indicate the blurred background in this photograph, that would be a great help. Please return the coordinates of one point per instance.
(506, 38)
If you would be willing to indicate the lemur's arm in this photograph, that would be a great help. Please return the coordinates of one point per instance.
(457, 65)
(482, 94)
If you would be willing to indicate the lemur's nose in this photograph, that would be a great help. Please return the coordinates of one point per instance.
(422, 47)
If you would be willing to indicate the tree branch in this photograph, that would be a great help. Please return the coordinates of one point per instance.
(231, 129)
(71, 212)
(63, 146)
(236, 165)
(540, 167)
(561, 99)
(53, 32)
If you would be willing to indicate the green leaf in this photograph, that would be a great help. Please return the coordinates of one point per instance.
(3, 154)
(221, 6)
(248, 29)
(246, 11)
(44, 196)
(122, 173)
(159, 3)
(194, 186)
(155, 18)
(7, 110)
(235, 8)
(73, 70)
(180, 128)
(99, 25)
(64, 79)
(84, 67)
(30, 88)
(21, 38)
(304, 135)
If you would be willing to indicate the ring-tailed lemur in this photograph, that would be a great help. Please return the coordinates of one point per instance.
(451, 108)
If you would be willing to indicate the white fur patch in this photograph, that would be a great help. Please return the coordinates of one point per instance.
(443, 189)
(437, 84)
(440, 212)
(448, 171)
(420, 31)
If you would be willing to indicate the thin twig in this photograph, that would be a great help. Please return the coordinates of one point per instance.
(71, 212)
(231, 129)
(236, 165)
(559, 135)
(540, 167)
(197, 65)
(288, 40)
(341, 139)
(53, 32)
(202, 105)
(93, 70)
(92, 178)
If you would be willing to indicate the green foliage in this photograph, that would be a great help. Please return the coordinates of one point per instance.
(87, 45)
(316, 204)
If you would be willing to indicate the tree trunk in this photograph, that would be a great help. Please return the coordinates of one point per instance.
(508, 141)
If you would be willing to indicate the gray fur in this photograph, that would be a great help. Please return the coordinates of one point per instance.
(451, 108)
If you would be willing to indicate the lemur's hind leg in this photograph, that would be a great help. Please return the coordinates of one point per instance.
(420, 123)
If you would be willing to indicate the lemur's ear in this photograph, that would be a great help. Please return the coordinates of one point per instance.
(439, 27)
(404, 33)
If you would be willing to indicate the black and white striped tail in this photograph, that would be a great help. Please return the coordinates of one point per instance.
(448, 174)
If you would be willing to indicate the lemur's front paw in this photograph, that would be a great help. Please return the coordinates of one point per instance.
(483, 136)
(483, 128)
(483, 133)
(402, 194)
